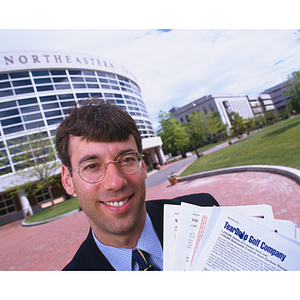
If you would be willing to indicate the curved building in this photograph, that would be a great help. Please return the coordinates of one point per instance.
(36, 91)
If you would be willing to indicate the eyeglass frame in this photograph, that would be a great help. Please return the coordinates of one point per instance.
(105, 166)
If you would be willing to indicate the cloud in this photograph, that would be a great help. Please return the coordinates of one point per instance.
(174, 67)
(187, 64)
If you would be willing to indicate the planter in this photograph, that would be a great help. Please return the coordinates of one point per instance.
(173, 180)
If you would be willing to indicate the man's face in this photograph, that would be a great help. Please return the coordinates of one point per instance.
(97, 200)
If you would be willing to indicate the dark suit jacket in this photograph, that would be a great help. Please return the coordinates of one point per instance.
(90, 258)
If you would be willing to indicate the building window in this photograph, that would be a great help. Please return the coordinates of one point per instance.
(24, 90)
(18, 75)
(42, 195)
(6, 93)
(5, 84)
(7, 205)
(21, 82)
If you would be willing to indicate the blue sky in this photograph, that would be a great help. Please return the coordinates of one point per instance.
(174, 67)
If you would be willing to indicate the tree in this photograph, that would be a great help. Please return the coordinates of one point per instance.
(214, 124)
(270, 116)
(173, 135)
(203, 125)
(37, 163)
(236, 122)
(197, 127)
(293, 90)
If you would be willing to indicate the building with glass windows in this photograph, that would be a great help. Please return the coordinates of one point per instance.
(245, 106)
(279, 97)
(37, 90)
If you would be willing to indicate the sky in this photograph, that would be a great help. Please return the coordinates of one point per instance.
(175, 67)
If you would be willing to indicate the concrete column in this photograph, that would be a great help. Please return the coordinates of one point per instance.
(160, 154)
(26, 208)
(153, 156)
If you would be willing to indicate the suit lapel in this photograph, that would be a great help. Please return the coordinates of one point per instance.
(93, 257)
(155, 211)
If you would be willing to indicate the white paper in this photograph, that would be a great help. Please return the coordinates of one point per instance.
(171, 223)
(283, 227)
(239, 243)
(192, 218)
(262, 211)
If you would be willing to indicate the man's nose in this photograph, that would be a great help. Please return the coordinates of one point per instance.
(114, 179)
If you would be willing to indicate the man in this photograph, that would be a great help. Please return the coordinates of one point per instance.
(101, 152)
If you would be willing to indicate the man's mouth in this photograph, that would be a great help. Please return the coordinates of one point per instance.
(117, 204)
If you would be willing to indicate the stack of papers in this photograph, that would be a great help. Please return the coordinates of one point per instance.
(228, 238)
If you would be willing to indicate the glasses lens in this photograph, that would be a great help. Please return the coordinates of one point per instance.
(130, 162)
(92, 171)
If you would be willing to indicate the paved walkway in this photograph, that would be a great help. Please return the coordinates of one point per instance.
(50, 246)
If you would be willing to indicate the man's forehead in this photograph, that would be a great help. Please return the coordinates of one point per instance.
(81, 139)
(99, 149)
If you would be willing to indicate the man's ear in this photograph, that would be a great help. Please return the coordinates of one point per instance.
(66, 180)
(144, 169)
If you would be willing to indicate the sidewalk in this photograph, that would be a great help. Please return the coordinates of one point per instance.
(243, 188)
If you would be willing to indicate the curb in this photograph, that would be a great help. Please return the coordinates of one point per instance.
(49, 220)
(291, 173)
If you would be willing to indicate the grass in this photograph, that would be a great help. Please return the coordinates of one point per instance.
(54, 211)
(276, 144)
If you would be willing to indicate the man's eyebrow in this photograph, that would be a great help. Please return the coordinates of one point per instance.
(127, 150)
(88, 157)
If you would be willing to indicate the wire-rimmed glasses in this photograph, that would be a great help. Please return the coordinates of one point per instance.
(93, 171)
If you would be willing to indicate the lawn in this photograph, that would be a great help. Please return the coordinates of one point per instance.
(54, 211)
(276, 144)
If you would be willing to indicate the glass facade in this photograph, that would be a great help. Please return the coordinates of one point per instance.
(40, 99)
(7, 205)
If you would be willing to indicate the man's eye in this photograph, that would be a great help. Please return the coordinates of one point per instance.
(128, 159)
(92, 167)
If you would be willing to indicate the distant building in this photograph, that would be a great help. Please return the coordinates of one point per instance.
(36, 91)
(224, 104)
(245, 106)
(280, 100)
(261, 104)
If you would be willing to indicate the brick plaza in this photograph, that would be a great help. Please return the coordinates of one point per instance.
(50, 246)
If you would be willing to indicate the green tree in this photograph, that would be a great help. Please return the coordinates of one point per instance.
(270, 116)
(236, 122)
(293, 90)
(173, 135)
(197, 127)
(202, 125)
(37, 163)
(215, 125)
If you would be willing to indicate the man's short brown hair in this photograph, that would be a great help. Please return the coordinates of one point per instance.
(95, 121)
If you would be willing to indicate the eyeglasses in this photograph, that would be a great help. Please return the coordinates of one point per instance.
(93, 171)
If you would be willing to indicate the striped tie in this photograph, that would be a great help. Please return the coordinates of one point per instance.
(141, 258)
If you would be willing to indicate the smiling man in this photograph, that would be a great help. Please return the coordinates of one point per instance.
(101, 152)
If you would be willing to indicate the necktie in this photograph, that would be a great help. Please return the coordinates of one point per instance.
(141, 258)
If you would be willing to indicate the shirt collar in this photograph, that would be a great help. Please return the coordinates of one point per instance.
(120, 258)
